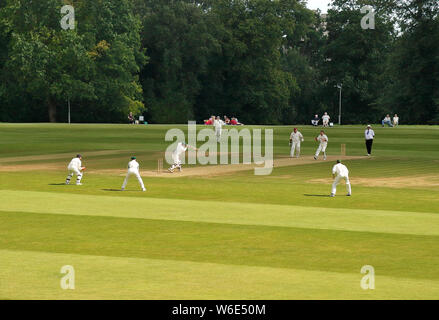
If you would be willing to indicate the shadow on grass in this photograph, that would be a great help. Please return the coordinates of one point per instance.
(119, 190)
(317, 195)
(57, 184)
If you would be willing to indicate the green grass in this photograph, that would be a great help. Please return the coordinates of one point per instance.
(232, 236)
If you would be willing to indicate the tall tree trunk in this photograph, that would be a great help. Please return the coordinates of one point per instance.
(52, 110)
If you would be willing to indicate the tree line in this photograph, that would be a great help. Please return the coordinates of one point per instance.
(265, 62)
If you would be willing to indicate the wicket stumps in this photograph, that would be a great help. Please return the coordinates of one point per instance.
(159, 165)
(343, 150)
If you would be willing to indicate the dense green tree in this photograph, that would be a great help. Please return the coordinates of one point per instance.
(412, 89)
(266, 62)
(302, 56)
(247, 76)
(95, 66)
(43, 60)
(355, 57)
(179, 40)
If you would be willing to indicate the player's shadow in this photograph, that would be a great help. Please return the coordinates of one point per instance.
(57, 184)
(119, 190)
(317, 195)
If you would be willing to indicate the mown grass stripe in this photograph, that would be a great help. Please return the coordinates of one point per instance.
(35, 275)
(209, 211)
(279, 247)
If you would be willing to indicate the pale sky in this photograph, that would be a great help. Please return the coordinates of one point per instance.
(321, 4)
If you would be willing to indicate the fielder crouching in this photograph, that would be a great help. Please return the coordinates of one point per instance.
(75, 167)
(133, 169)
(339, 172)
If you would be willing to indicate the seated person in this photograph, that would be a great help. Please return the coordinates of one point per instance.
(395, 120)
(325, 119)
(226, 120)
(387, 121)
(235, 122)
(131, 118)
(210, 121)
(315, 121)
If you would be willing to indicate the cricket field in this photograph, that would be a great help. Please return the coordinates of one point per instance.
(212, 232)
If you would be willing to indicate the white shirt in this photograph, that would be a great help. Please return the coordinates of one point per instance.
(326, 118)
(218, 124)
(395, 119)
(322, 139)
(387, 119)
(369, 134)
(180, 149)
(133, 165)
(75, 163)
(296, 137)
(340, 170)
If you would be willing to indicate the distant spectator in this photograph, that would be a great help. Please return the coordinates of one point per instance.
(226, 120)
(235, 122)
(387, 121)
(395, 120)
(315, 121)
(210, 121)
(131, 118)
(325, 119)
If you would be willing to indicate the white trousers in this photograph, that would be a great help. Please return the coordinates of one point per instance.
(295, 146)
(176, 159)
(72, 172)
(137, 174)
(337, 181)
(321, 148)
(218, 132)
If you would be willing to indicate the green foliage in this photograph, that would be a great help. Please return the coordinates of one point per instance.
(356, 58)
(94, 66)
(267, 62)
(413, 67)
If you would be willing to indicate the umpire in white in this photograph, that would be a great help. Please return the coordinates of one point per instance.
(369, 134)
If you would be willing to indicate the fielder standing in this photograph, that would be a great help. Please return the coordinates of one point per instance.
(181, 149)
(75, 167)
(295, 139)
(339, 172)
(133, 169)
(218, 124)
(369, 135)
(323, 140)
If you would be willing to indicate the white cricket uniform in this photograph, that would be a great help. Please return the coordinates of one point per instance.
(296, 138)
(323, 145)
(342, 173)
(218, 124)
(325, 120)
(181, 149)
(395, 121)
(74, 167)
(133, 169)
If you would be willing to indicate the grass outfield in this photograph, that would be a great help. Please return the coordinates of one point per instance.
(221, 236)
